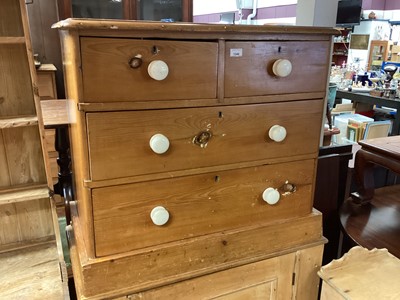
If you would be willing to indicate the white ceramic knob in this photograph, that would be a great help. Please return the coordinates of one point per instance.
(159, 143)
(158, 70)
(159, 215)
(282, 68)
(271, 196)
(277, 133)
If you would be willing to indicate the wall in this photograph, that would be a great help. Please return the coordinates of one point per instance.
(282, 11)
(269, 11)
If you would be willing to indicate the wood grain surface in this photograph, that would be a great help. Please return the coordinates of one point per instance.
(31, 273)
(192, 70)
(198, 205)
(308, 59)
(119, 141)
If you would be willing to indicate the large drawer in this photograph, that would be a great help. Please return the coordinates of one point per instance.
(309, 62)
(119, 141)
(198, 205)
(108, 76)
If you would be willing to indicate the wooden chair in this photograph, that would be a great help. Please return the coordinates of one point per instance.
(371, 217)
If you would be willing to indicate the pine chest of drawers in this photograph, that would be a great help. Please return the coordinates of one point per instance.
(194, 155)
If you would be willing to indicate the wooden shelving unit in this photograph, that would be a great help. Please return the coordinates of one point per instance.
(340, 48)
(28, 231)
(378, 53)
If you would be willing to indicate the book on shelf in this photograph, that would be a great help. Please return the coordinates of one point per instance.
(377, 129)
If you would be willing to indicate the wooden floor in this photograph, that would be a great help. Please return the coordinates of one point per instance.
(31, 273)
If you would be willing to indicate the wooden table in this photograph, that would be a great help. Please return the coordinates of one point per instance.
(367, 98)
(371, 217)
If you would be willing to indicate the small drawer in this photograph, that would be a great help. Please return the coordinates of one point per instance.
(301, 67)
(47, 85)
(145, 214)
(131, 143)
(121, 69)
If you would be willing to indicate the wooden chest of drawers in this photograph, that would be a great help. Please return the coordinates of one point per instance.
(194, 154)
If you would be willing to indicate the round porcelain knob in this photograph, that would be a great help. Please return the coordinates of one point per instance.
(158, 70)
(159, 215)
(159, 143)
(282, 68)
(271, 196)
(277, 133)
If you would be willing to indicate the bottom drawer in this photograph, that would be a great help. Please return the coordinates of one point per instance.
(280, 277)
(198, 205)
(166, 265)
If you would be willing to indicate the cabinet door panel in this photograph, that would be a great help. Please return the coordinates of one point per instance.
(270, 279)
(101, 9)
(157, 10)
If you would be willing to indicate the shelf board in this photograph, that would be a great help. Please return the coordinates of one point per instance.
(31, 272)
(12, 40)
(23, 195)
(22, 121)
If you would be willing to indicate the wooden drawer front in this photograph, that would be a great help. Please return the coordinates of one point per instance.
(197, 205)
(119, 141)
(107, 75)
(270, 279)
(309, 67)
(46, 85)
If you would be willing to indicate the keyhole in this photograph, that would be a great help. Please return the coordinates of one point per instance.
(155, 50)
(279, 49)
(220, 115)
(202, 138)
(216, 178)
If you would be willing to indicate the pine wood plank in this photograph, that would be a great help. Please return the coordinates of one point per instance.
(119, 141)
(123, 83)
(216, 202)
(5, 179)
(24, 195)
(18, 122)
(180, 260)
(55, 112)
(141, 105)
(308, 262)
(16, 93)
(35, 219)
(306, 57)
(10, 231)
(12, 40)
(265, 280)
(26, 166)
(78, 134)
(242, 30)
(25, 221)
(10, 19)
(362, 274)
(31, 273)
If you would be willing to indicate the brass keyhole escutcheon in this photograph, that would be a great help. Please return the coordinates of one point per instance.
(288, 188)
(202, 138)
(136, 62)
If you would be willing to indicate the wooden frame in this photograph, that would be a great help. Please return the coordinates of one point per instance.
(130, 9)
